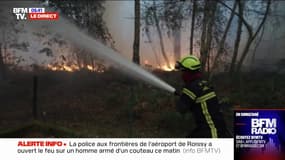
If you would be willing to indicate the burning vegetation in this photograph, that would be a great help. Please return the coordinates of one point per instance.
(75, 67)
(166, 68)
(98, 67)
(163, 67)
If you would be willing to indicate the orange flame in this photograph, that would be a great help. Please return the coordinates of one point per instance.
(166, 68)
(89, 67)
(163, 67)
(73, 68)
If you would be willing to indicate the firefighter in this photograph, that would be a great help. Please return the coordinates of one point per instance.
(198, 97)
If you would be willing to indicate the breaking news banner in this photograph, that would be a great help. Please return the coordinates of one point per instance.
(34, 14)
(117, 148)
(259, 134)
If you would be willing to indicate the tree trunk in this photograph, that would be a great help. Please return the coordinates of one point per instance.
(212, 14)
(251, 38)
(177, 44)
(203, 54)
(237, 41)
(156, 21)
(192, 26)
(206, 37)
(136, 45)
(2, 65)
(258, 41)
(176, 32)
(224, 37)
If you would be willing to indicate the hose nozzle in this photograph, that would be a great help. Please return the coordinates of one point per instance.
(176, 93)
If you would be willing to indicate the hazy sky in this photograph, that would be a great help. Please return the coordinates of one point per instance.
(119, 18)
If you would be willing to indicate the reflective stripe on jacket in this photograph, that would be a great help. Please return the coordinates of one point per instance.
(200, 98)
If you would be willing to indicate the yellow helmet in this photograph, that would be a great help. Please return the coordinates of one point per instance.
(188, 63)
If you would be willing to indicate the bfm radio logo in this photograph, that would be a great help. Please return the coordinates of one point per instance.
(263, 126)
(34, 14)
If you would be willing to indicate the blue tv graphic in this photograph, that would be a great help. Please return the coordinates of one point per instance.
(259, 134)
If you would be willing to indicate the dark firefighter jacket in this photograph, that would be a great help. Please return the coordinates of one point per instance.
(199, 98)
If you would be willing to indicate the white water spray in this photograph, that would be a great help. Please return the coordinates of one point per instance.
(72, 33)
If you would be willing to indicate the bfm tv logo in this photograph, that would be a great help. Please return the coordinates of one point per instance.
(34, 14)
(263, 126)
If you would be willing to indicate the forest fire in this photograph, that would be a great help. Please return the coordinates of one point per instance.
(163, 67)
(166, 68)
(74, 68)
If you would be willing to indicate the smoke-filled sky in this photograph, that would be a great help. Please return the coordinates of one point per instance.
(119, 17)
(120, 21)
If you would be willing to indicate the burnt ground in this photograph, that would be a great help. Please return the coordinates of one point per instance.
(109, 104)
